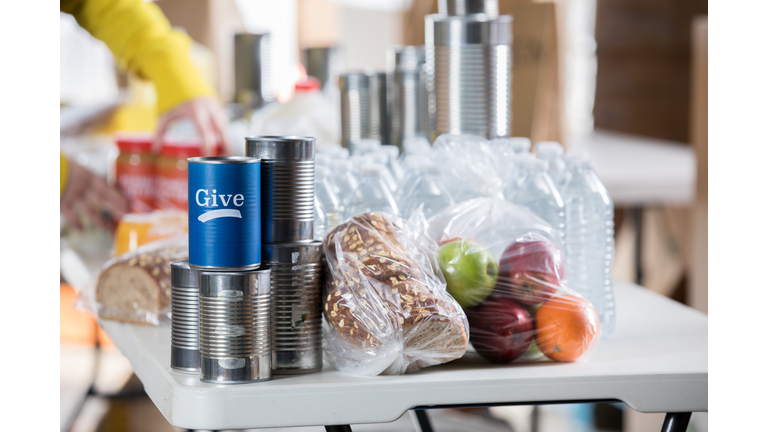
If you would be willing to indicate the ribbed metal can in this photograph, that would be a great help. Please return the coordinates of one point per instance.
(288, 186)
(467, 7)
(235, 326)
(296, 306)
(380, 109)
(224, 213)
(253, 76)
(321, 62)
(409, 97)
(185, 317)
(355, 106)
(472, 67)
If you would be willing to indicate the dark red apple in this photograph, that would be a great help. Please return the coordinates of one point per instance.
(500, 329)
(531, 269)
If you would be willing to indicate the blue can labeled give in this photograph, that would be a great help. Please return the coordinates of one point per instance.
(224, 213)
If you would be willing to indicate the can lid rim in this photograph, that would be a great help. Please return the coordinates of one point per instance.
(223, 160)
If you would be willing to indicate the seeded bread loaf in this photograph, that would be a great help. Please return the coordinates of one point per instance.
(380, 289)
(137, 287)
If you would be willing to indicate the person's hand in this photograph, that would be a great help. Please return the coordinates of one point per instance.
(209, 119)
(89, 195)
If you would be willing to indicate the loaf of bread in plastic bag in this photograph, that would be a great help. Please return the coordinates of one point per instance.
(387, 309)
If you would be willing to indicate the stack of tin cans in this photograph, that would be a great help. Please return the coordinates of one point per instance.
(289, 251)
(236, 318)
(220, 298)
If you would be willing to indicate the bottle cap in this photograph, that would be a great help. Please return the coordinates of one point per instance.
(520, 144)
(308, 84)
(549, 149)
(140, 142)
(373, 170)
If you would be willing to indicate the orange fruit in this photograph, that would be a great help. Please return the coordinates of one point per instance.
(566, 327)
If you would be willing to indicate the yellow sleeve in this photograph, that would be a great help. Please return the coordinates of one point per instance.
(63, 173)
(140, 36)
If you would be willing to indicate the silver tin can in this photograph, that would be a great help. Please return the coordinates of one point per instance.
(185, 317)
(380, 109)
(355, 105)
(466, 7)
(322, 63)
(472, 67)
(287, 186)
(253, 75)
(409, 94)
(234, 327)
(296, 306)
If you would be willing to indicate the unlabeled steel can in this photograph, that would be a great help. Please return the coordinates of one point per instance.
(409, 95)
(234, 326)
(471, 68)
(296, 306)
(288, 186)
(185, 317)
(224, 213)
(380, 109)
(355, 106)
(253, 75)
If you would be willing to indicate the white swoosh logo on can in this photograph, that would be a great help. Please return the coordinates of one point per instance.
(205, 217)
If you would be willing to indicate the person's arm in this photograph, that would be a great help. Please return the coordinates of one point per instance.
(84, 193)
(140, 36)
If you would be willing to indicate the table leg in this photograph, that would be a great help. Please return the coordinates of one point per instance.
(424, 424)
(637, 215)
(338, 428)
(676, 422)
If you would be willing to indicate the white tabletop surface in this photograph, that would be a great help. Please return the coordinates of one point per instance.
(656, 361)
(642, 171)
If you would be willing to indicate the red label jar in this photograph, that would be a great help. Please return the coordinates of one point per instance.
(135, 169)
(171, 173)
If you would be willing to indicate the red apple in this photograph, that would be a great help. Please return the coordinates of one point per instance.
(531, 269)
(500, 329)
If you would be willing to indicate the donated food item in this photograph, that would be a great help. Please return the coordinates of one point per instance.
(171, 172)
(135, 170)
(224, 213)
(387, 309)
(531, 309)
(138, 229)
(136, 287)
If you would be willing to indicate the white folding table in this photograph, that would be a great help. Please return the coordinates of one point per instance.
(656, 361)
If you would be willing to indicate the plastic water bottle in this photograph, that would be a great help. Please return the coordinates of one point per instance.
(392, 153)
(516, 144)
(372, 194)
(321, 221)
(426, 189)
(589, 244)
(383, 159)
(552, 152)
(367, 145)
(343, 181)
(535, 190)
(331, 203)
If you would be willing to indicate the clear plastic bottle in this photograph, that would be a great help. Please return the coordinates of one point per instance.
(515, 144)
(410, 171)
(534, 190)
(393, 153)
(324, 192)
(589, 243)
(343, 181)
(426, 189)
(552, 152)
(383, 159)
(372, 194)
(321, 221)
(366, 146)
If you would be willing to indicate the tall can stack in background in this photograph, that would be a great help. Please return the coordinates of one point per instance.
(469, 47)
(253, 76)
(409, 95)
(288, 200)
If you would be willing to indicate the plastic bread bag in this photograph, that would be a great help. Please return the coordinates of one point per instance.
(471, 166)
(135, 287)
(506, 268)
(385, 304)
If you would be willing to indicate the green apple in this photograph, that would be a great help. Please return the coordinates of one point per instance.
(470, 271)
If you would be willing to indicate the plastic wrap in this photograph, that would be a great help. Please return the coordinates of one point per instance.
(506, 268)
(385, 304)
(136, 286)
(471, 166)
